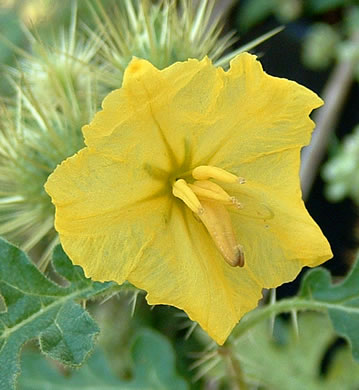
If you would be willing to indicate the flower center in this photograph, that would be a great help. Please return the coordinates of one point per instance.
(208, 201)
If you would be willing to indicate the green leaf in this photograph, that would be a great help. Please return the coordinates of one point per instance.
(153, 369)
(293, 361)
(341, 300)
(36, 307)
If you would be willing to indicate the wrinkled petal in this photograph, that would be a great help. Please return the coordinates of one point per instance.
(126, 129)
(221, 113)
(101, 217)
(278, 235)
(269, 114)
(183, 268)
(157, 245)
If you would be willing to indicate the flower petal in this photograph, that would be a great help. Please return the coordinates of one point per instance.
(116, 214)
(242, 112)
(101, 205)
(183, 268)
(127, 119)
(148, 93)
(268, 114)
(114, 235)
(278, 235)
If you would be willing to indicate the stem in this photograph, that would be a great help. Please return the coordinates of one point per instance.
(283, 306)
(235, 369)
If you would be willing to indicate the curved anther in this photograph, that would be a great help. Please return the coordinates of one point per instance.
(205, 189)
(218, 222)
(181, 190)
(204, 172)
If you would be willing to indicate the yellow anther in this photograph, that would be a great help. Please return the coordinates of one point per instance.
(218, 222)
(181, 190)
(208, 200)
(204, 172)
(211, 191)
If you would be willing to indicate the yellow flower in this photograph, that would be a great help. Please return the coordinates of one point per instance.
(189, 172)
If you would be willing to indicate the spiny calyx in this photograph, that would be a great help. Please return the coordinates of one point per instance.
(208, 201)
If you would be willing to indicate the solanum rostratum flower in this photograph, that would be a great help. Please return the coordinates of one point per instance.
(188, 188)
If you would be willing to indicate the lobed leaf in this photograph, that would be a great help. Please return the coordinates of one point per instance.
(341, 300)
(153, 369)
(36, 307)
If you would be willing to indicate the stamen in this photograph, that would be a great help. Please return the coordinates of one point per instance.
(207, 200)
(210, 191)
(218, 222)
(204, 172)
(181, 190)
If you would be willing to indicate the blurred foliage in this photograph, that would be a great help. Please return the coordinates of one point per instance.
(152, 368)
(253, 12)
(341, 300)
(293, 361)
(319, 49)
(320, 6)
(324, 41)
(282, 358)
(16, 16)
(10, 28)
(37, 307)
(341, 172)
(301, 353)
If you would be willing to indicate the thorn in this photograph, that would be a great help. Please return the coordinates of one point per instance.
(190, 330)
(109, 297)
(206, 368)
(133, 302)
(295, 323)
(272, 301)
